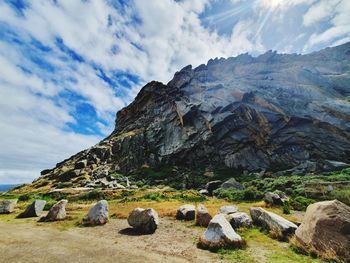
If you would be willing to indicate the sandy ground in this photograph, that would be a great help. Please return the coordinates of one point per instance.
(173, 242)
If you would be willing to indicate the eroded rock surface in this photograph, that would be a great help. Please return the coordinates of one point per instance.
(144, 221)
(98, 214)
(186, 212)
(7, 206)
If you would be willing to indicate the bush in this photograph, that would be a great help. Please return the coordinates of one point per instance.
(24, 197)
(286, 208)
(300, 203)
(64, 185)
(249, 194)
(342, 195)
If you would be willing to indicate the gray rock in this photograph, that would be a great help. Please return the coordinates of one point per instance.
(7, 206)
(273, 199)
(144, 221)
(228, 209)
(204, 192)
(232, 183)
(186, 212)
(34, 209)
(239, 219)
(220, 234)
(213, 185)
(57, 211)
(325, 230)
(278, 226)
(81, 164)
(203, 217)
(98, 214)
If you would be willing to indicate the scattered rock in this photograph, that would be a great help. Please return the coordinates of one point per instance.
(7, 206)
(232, 183)
(57, 212)
(220, 234)
(81, 164)
(278, 226)
(228, 209)
(144, 220)
(213, 185)
(203, 217)
(239, 219)
(325, 230)
(34, 209)
(204, 192)
(273, 199)
(186, 212)
(98, 214)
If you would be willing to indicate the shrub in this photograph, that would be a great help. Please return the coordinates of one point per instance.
(249, 194)
(286, 208)
(342, 195)
(64, 185)
(24, 197)
(300, 203)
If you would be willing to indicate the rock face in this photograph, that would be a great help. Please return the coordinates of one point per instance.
(203, 217)
(34, 209)
(239, 219)
(144, 221)
(325, 230)
(7, 206)
(220, 234)
(272, 112)
(212, 185)
(57, 212)
(98, 214)
(278, 226)
(228, 209)
(232, 184)
(186, 212)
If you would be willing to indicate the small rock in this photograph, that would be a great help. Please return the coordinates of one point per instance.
(57, 212)
(220, 234)
(232, 183)
(239, 219)
(213, 185)
(186, 212)
(81, 164)
(203, 217)
(98, 214)
(144, 220)
(325, 230)
(277, 225)
(7, 206)
(228, 209)
(34, 209)
(204, 192)
(273, 199)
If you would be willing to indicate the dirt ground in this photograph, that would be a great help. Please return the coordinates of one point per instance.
(114, 242)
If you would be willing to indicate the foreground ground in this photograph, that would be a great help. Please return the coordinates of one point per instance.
(27, 240)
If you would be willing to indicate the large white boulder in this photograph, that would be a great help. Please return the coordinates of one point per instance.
(57, 211)
(186, 212)
(98, 214)
(144, 221)
(7, 206)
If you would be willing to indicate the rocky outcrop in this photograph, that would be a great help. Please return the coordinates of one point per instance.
(98, 214)
(7, 206)
(220, 234)
(203, 217)
(239, 219)
(228, 209)
(232, 184)
(278, 226)
(186, 212)
(57, 211)
(273, 112)
(325, 230)
(144, 221)
(212, 186)
(273, 199)
(34, 209)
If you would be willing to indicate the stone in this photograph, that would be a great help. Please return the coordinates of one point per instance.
(239, 219)
(325, 230)
(228, 209)
(278, 226)
(57, 211)
(81, 164)
(34, 209)
(220, 234)
(7, 206)
(203, 217)
(232, 184)
(213, 185)
(204, 192)
(186, 212)
(144, 221)
(98, 214)
(273, 199)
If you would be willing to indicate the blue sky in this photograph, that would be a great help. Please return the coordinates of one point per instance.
(67, 66)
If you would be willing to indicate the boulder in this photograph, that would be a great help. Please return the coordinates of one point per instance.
(325, 230)
(57, 212)
(232, 184)
(98, 214)
(144, 221)
(204, 192)
(273, 199)
(81, 164)
(278, 226)
(7, 206)
(34, 209)
(239, 219)
(186, 212)
(203, 217)
(220, 234)
(228, 209)
(213, 185)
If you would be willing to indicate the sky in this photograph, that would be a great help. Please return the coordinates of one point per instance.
(67, 66)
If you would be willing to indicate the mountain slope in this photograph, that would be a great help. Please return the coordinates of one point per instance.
(272, 112)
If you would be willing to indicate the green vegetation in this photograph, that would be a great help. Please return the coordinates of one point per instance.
(250, 193)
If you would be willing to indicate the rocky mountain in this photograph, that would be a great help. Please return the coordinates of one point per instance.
(274, 112)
